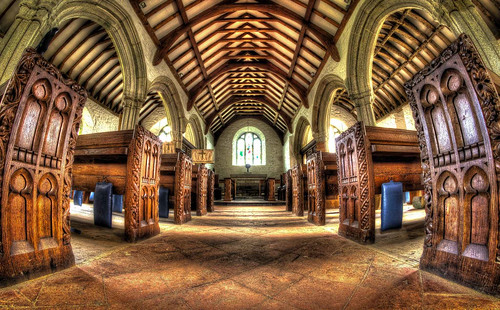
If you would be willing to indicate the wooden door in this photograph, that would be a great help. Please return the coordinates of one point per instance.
(457, 114)
(316, 189)
(142, 217)
(40, 115)
(182, 190)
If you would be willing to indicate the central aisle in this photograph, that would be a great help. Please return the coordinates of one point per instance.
(243, 258)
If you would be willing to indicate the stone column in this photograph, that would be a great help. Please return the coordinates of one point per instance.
(321, 141)
(399, 117)
(27, 30)
(130, 113)
(464, 18)
(364, 107)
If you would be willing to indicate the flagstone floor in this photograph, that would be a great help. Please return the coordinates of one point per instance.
(244, 258)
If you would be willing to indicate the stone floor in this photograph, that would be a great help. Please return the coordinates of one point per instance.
(243, 258)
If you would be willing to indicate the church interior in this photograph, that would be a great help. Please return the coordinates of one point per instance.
(249, 154)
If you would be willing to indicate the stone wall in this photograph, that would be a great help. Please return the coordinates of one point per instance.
(401, 118)
(97, 118)
(224, 151)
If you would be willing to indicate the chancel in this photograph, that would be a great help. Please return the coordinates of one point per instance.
(247, 154)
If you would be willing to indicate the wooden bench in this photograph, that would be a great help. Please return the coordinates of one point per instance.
(368, 157)
(319, 165)
(457, 112)
(199, 188)
(39, 118)
(175, 174)
(130, 160)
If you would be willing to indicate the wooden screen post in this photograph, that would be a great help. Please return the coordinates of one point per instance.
(210, 191)
(289, 190)
(316, 189)
(199, 189)
(40, 114)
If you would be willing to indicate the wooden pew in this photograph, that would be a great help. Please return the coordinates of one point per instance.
(227, 189)
(199, 189)
(289, 190)
(211, 191)
(175, 174)
(457, 112)
(368, 157)
(130, 160)
(270, 189)
(40, 114)
(321, 186)
(297, 191)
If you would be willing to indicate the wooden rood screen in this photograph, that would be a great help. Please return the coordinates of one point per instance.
(40, 114)
(367, 157)
(176, 171)
(457, 115)
(130, 160)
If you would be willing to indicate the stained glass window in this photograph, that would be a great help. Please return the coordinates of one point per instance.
(248, 149)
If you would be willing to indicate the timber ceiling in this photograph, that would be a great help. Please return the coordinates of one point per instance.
(153, 101)
(8, 12)
(408, 41)
(341, 98)
(83, 50)
(245, 58)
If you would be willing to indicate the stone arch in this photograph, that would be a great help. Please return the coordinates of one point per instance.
(299, 131)
(118, 24)
(322, 106)
(195, 124)
(367, 24)
(172, 103)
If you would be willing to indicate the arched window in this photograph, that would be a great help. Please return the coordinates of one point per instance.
(165, 134)
(248, 149)
(336, 128)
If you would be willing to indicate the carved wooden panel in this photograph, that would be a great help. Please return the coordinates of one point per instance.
(199, 189)
(182, 192)
(210, 191)
(40, 114)
(143, 176)
(288, 190)
(456, 110)
(316, 189)
(297, 191)
(202, 156)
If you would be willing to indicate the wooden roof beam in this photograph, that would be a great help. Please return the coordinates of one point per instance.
(271, 8)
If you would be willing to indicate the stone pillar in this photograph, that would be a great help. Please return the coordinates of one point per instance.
(27, 30)
(321, 141)
(177, 139)
(364, 107)
(465, 18)
(130, 113)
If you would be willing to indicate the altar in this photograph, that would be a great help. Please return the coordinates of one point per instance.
(249, 185)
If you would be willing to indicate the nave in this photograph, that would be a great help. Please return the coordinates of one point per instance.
(242, 257)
